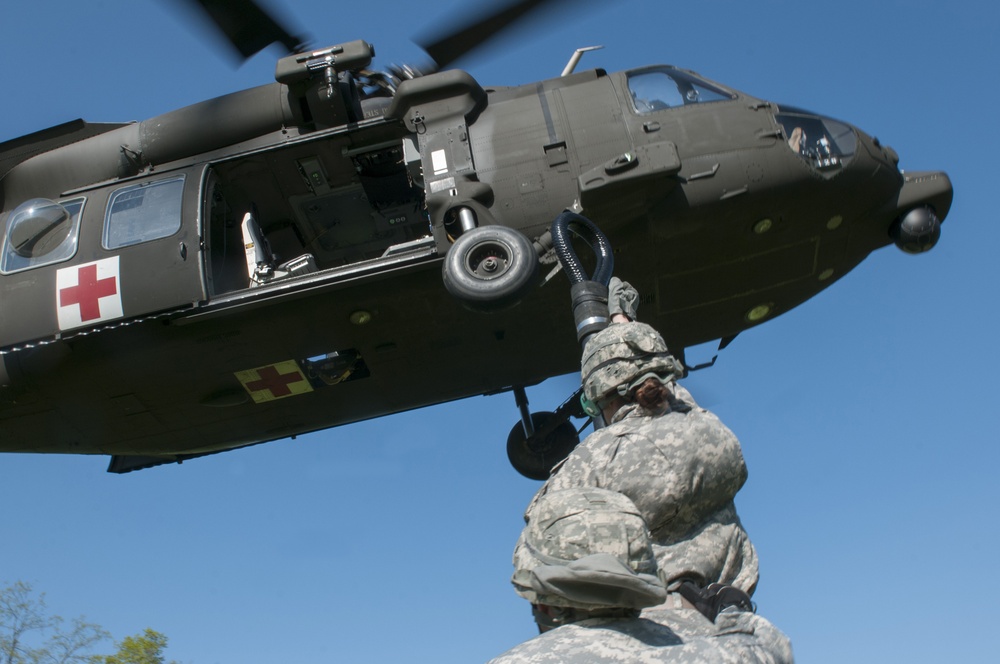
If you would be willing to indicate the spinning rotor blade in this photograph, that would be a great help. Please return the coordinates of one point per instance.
(448, 48)
(247, 26)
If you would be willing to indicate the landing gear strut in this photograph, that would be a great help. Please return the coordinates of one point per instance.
(542, 440)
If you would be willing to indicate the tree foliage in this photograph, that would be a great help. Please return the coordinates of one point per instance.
(29, 635)
(145, 648)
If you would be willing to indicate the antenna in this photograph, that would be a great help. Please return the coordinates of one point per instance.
(575, 59)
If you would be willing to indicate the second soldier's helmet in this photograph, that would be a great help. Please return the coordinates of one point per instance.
(620, 354)
(587, 548)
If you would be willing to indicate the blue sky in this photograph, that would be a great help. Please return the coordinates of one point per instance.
(866, 415)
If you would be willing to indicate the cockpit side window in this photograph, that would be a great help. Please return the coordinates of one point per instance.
(826, 145)
(659, 89)
(41, 232)
(143, 212)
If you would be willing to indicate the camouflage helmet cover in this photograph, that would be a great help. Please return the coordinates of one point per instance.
(586, 548)
(621, 353)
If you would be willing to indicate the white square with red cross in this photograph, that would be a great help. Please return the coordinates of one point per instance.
(88, 294)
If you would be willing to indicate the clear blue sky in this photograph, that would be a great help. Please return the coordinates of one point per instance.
(867, 415)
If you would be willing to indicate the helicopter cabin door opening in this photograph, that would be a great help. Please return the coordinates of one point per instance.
(318, 208)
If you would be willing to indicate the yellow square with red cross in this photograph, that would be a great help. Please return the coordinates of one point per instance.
(274, 381)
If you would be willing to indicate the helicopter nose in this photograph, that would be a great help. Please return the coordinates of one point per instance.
(892, 155)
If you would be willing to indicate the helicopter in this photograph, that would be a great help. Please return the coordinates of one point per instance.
(343, 244)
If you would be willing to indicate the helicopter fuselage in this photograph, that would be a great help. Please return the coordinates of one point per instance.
(139, 322)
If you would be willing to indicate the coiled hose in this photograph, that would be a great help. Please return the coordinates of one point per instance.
(571, 222)
(589, 294)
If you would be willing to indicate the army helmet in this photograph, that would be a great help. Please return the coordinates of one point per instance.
(621, 353)
(586, 547)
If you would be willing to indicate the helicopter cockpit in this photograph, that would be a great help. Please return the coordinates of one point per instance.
(826, 145)
(665, 87)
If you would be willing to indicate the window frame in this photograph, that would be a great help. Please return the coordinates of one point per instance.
(677, 76)
(133, 240)
(40, 261)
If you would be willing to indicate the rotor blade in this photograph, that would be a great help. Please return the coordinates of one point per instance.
(247, 26)
(448, 48)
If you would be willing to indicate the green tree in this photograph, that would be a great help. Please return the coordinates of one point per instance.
(29, 635)
(145, 648)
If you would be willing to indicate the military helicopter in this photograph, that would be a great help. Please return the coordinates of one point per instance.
(343, 244)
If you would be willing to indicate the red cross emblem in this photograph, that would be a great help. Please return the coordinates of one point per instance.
(88, 294)
(275, 381)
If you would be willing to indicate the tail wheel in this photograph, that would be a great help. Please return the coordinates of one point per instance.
(534, 457)
(490, 267)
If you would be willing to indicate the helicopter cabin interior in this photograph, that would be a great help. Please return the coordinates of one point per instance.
(310, 207)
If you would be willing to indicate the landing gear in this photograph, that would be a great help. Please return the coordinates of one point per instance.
(541, 440)
(490, 267)
(534, 456)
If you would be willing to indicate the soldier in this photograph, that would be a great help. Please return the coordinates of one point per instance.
(586, 564)
(677, 462)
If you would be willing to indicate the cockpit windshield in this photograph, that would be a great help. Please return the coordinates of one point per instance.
(666, 87)
(824, 143)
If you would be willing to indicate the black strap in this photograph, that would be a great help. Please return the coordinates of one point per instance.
(710, 601)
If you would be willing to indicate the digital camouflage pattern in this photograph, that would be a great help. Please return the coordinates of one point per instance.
(619, 354)
(582, 520)
(682, 469)
(718, 550)
(675, 635)
(572, 526)
(587, 548)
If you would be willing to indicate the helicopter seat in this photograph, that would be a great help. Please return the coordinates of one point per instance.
(261, 267)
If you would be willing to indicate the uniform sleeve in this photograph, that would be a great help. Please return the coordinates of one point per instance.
(681, 393)
(583, 467)
(678, 469)
(717, 550)
(754, 637)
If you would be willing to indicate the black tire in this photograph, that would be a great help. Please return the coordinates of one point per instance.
(490, 267)
(535, 459)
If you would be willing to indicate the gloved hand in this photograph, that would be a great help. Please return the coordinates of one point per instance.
(622, 299)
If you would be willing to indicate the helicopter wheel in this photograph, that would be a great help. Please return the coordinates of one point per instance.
(536, 458)
(490, 267)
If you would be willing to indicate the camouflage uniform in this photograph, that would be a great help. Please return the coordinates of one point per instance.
(587, 550)
(681, 636)
(583, 542)
(681, 466)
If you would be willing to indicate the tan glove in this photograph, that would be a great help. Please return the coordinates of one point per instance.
(622, 299)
